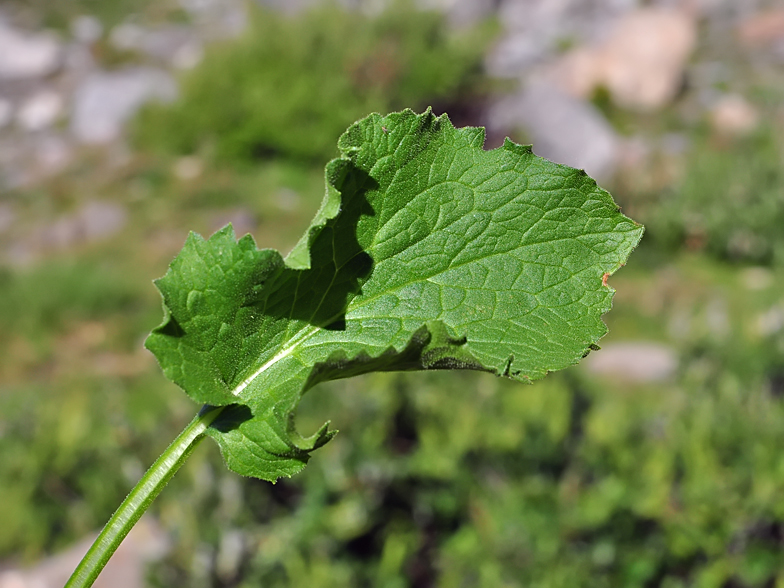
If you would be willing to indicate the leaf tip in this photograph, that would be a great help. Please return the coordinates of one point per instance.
(225, 231)
(510, 145)
(193, 238)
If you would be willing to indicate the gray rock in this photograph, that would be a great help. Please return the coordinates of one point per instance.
(40, 111)
(562, 129)
(7, 217)
(25, 56)
(94, 221)
(285, 6)
(675, 144)
(100, 220)
(6, 112)
(105, 101)
(514, 54)
(29, 157)
(86, 29)
(756, 278)
(640, 61)
(53, 154)
(78, 62)
(761, 28)
(174, 45)
(127, 37)
(10, 166)
(230, 554)
(771, 321)
(633, 361)
(461, 12)
(535, 30)
(227, 18)
(188, 168)
(734, 115)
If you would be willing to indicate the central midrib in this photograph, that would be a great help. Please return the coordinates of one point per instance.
(285, 351)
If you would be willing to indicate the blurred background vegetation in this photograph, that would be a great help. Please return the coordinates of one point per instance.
(588, 478)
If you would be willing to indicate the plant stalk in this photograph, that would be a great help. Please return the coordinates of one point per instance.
(140, 498)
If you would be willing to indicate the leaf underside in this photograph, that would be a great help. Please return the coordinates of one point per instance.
(427, 253)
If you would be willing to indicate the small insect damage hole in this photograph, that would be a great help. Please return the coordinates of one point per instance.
(604, 279)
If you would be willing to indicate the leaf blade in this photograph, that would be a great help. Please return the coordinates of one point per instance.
(427, 252)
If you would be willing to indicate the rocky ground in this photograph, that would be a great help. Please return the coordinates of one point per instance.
(66, 95)
(58, 94)
(62, 93)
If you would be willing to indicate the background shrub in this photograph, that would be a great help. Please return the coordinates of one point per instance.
(291, 85)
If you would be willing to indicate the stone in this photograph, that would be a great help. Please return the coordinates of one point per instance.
(79, 60)
(145, 543)
(697, 8)
(25, 56)
(771, 321)
(40, 110)
(641, 62)
(53, 154)
(222, 19)
(763, 28)
(562, 128)
(86, 29)
(707, 75)
(536, 30)
(529, 25)
(285, 6)
(756, 278)
(188, 168)
(106, 100)
(633, 361)
(12, 150)
(717, 319)
(100, 220)
(231, 551)
(461, 13)
(188, 56)
(633, 153)
(233, 19)
(733, 115)
(675, 144)
(512, 55)
(6, 112)
(127, 37)
(73, 229)
(28, 158)
(174, 45)
(7, 216)
(94, 221)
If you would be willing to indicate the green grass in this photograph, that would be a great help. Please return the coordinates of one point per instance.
(729, 201)
(60, 14)
(290, 85)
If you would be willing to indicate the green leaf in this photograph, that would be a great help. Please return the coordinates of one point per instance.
(427, 253)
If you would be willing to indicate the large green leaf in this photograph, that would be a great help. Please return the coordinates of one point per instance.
(427, 252)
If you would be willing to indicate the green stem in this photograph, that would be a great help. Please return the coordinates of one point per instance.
(142, 495)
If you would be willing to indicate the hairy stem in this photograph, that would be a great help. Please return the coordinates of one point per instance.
(140, 498)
